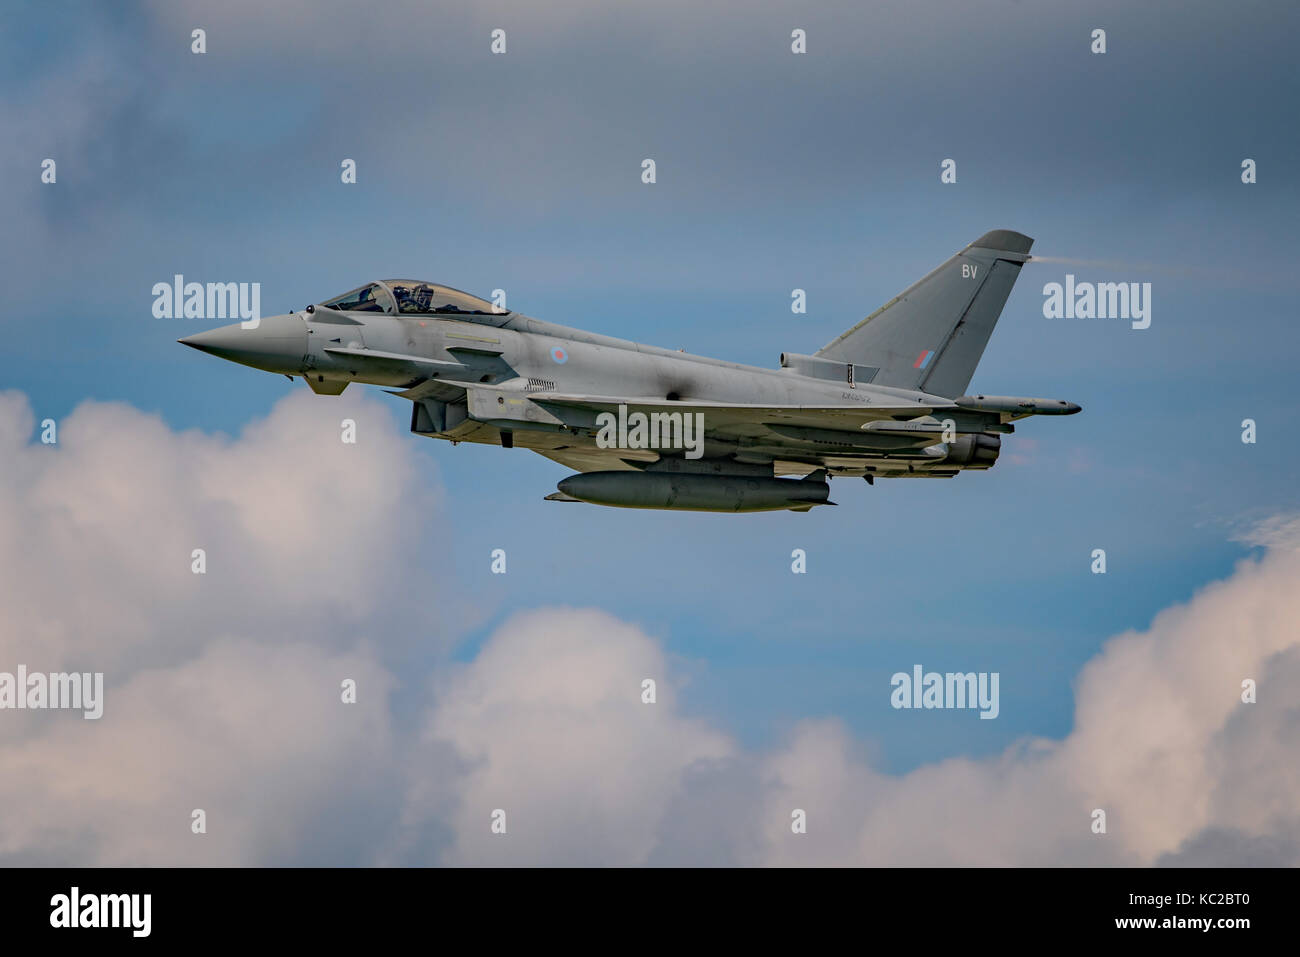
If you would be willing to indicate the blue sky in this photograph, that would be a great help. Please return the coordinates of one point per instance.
(774, 172)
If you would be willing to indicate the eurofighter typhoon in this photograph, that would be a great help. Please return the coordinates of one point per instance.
(644, 427)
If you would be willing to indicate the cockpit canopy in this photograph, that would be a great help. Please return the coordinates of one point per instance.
(411, 297)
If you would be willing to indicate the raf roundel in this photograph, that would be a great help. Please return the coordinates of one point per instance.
(559, 355)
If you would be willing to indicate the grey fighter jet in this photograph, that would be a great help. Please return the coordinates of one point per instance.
(645, 427)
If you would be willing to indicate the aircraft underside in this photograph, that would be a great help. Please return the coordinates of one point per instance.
(772, 458)
(738, 476)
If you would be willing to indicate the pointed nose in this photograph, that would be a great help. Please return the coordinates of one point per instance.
(275, 344)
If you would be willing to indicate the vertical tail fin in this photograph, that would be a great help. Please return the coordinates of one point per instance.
(931, 336)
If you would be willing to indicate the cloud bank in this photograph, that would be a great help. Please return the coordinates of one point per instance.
(223, 692)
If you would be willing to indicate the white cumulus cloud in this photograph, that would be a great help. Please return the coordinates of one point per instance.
(222, 692)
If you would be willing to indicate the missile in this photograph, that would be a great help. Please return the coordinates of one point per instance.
(1015, 405)
(695, 492)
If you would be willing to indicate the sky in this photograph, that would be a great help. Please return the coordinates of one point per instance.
(523, 692)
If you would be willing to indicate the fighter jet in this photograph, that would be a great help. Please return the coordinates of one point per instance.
(645, 427)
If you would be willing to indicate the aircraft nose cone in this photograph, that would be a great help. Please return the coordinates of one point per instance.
(275, 344)
(216, 341)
